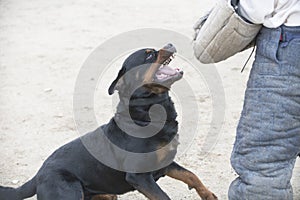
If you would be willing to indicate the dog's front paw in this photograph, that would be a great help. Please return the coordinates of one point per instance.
(210, 196)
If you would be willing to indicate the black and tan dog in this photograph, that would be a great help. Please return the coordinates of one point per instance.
(72, 173)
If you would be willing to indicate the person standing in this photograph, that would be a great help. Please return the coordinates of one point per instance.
(268, 134)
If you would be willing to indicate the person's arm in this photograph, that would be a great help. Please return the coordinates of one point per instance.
(256, 10)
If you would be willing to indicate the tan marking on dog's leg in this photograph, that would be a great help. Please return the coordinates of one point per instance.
(105, 197)
(193, 182)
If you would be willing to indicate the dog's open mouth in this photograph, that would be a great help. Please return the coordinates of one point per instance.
(165, 72)
(160, 71)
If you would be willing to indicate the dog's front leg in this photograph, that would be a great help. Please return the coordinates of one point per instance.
(146, 184)
(176, 171)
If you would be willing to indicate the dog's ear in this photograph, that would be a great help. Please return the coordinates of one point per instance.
(111, 88)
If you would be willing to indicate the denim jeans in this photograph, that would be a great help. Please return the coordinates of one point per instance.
(268, 134)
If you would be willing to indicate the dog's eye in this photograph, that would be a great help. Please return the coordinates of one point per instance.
(149, 53)
(149, 56)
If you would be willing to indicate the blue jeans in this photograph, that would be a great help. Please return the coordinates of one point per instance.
(268, 134)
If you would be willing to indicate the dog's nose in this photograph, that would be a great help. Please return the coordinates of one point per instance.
(170, 47)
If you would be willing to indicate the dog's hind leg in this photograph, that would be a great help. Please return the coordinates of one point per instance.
(60, 190)
(146, 184)
(177, 172)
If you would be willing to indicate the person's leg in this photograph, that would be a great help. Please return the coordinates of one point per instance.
(268, 135)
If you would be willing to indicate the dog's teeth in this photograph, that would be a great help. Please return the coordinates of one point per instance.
(167, 61)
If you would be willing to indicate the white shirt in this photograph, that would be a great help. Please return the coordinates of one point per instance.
(271, 13)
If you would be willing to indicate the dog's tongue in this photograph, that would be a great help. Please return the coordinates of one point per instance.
(166, 70)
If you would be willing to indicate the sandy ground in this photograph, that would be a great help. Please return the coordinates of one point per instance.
(43, 45)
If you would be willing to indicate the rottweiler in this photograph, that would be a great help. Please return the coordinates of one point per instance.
(74, 173)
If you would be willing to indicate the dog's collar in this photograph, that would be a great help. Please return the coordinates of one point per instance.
(146, 101)
(157, 99)
(124, 104)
